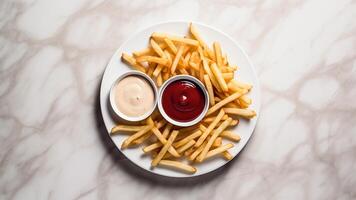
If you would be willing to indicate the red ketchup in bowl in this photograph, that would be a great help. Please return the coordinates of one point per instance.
(183, 100)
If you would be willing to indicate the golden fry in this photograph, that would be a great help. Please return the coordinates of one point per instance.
(218, 75)
(217, 50)
(219, 150)
(133, 137)
(246, 113)
(125, 128)
(230, 135)
(223, 102)
(176, 59)
(210, 90)
(178, 165)
(187, 139)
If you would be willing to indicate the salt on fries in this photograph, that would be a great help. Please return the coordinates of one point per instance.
(170, 55)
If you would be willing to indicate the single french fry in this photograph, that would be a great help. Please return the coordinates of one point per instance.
(171, 45)
(217, 50)
(186, 146)
(186, 59)
(245, 99)
(218, 75)
(245, 113)
(132, 61)
(210, 128)
(210, 119)
(157, 71)
(143, 138)
(224, 59)
(169, 57)
(157, 48)
(163, 140)
(133, 137)
(166, 130)
(201, 73)
(159, 80)
(230, 136)
(223, 102)
(125, 128)
(186, 139)
(233, 123)
(194, 31)
(228, 69)
(151, 68)
(215, 134)
(177, 165)
(176, 59)
(178, 39)
(227, 155)
(152, 147)
(210, 90)
(219, 150)
(217, 142)
(164, 149)
(240, 84)
(154, 59)
(234, 88)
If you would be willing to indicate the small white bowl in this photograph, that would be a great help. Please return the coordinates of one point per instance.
(199, 84)
(112, 97)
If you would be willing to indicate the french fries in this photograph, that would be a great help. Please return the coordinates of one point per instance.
(125, 128)
(169, 55)
(164, 149)
(178, 165)
(245, 113)
(210, 90)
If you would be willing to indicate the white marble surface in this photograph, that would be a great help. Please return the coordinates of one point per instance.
(52, 141)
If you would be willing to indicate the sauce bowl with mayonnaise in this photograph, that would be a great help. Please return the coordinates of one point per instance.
(133, 96)
(183, 100)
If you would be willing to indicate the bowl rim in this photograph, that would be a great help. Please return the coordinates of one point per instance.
(199, 84)
(112, 97)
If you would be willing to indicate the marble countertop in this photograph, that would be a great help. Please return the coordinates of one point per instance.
(53, 143)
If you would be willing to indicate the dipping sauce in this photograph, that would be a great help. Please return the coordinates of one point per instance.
(183, 100)
(134, 96)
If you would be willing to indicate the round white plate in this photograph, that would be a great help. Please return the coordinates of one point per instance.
(139, 41)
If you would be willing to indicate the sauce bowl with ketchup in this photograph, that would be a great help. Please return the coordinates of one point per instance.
(133, 96)
(183, 100)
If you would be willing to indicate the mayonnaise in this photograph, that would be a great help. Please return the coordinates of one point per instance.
(134, 96)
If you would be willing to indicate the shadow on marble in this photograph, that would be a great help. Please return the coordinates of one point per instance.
(122, 163)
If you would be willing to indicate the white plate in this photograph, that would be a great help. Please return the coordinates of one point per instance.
(139, 41)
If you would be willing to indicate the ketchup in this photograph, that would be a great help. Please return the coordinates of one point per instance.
(183, 100)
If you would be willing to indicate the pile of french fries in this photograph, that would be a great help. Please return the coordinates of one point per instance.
(168, 145)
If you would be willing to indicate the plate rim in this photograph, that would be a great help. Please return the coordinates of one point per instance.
(134, 34)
